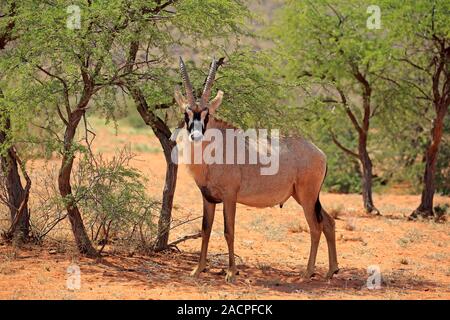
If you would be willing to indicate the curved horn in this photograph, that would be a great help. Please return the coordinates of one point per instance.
(187, 84)
(208, 84)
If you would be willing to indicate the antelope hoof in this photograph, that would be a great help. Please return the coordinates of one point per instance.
(197, 270)
(332, 272)
(230, 277)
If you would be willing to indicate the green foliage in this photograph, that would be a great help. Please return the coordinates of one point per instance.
(324, 40)
(343, 172)
(291, 87)
(324, 46)
(224, 19)
(416, 21)
(99, 51)
(419, 30)
(323, 43)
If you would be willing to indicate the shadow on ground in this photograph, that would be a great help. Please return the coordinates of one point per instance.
(173, 269)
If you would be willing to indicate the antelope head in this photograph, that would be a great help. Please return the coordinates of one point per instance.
(197, 111)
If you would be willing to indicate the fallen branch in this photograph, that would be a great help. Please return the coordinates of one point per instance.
(185, 238)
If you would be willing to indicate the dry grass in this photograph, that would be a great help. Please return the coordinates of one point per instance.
(336, 211)
(264, 267)
(298, 228)
(411, 237)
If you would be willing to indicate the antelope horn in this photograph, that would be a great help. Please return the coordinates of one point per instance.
(208, 84)
(187, 84)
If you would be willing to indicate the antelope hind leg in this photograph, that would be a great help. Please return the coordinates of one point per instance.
(330, 235)
(315, 230)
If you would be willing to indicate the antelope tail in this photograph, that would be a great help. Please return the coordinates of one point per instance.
(318, 205)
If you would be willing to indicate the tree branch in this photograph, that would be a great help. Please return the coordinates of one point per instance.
(65, 87)
(341, 146)
(61, 116)
(366, 95)
(160, 7)
(7, 34)
(405, 59)
(349, 112)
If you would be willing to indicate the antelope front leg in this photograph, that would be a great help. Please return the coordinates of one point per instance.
(208, 219)
(229, 214)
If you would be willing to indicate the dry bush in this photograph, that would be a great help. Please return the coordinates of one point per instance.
(112, 196)
(441, 212)
(264, 267)
(112, 199)
(48, 206)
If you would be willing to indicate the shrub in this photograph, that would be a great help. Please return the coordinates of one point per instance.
(112, 198)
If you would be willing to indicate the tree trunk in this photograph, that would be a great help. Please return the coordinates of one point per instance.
(163, 134)
(19, 231)
(17, 195)
(363, 131)
(366, 174)
(15, 191)
(425, 208)
(441, 102)
(165, 217)
(82, 240)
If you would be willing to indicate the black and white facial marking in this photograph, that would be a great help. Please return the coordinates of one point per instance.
(196, 122)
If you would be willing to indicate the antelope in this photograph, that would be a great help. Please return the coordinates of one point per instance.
(302, 170)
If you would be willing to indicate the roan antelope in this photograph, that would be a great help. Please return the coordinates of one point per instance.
(302, 169)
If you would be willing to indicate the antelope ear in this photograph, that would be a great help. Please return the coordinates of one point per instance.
(180, 99)
(216, 102)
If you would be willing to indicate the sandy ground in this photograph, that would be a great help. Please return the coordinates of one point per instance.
(272, 245)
